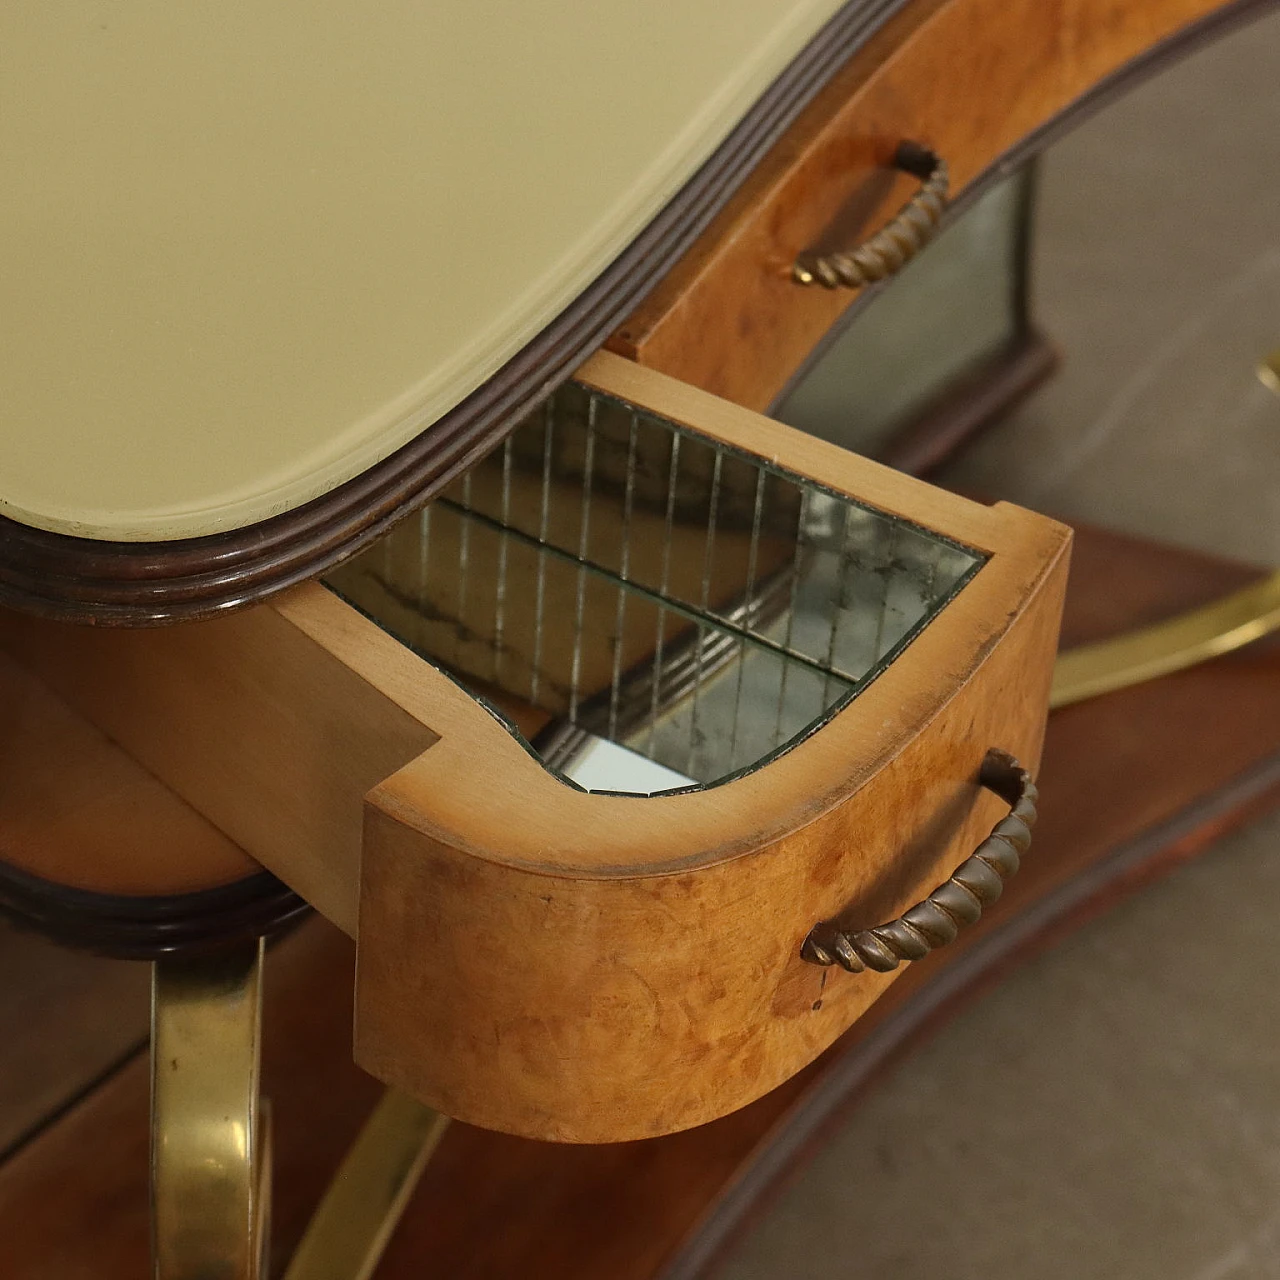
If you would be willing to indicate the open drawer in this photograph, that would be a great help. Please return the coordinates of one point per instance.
(807, 656)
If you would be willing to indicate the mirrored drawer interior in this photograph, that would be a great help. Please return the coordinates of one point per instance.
(613, 580)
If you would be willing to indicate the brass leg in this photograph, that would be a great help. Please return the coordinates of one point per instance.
(209, 1164)
(1227, 624)
(210, 1139)
(364, 1202)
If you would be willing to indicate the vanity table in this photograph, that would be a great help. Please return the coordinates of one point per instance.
(594, 558)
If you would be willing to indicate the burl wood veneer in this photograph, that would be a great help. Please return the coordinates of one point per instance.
(1187, 757)
(587, 967)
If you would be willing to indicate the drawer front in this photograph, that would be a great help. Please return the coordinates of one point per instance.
(974, 80)
(586, 966)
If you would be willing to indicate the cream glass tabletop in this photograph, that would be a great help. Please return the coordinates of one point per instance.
(248, 250)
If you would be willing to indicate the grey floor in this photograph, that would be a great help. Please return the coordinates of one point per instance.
(1113, 1110)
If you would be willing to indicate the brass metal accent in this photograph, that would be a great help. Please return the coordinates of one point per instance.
(1235, 620)
(959, 901)
(211, 1141)
(895, 244)
(1227, 624)
(350, 1229)
(209, 1173)
(1269, 372)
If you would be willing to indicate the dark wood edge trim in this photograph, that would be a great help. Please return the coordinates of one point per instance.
(145, 928)
(148, 583)
(972, 402)
(800, 1131)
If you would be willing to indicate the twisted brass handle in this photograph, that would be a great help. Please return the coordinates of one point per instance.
(976, 883)
(895, 244)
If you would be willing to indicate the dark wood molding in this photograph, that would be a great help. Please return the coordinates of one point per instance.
(145, 928)
(149, 583)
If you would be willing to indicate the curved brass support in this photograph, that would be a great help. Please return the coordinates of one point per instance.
(895, 244)
(1227, 624)
(1269, 372)
(1235, 620)
(959, 901)
(209, 1175)
(350, 1229)
(211, 1141)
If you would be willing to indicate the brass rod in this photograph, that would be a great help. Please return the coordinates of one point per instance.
(349, 1231)
(209, 1177)
(1190, 638)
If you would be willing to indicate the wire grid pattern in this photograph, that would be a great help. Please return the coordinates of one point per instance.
(636, 581)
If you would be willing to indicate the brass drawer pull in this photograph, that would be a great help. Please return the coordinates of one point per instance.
(976, 884)
(895, 244)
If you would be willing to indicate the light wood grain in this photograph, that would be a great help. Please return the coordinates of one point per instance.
(729, 318)
(593, 967)
(77, 810)
(566, 965)
(1175, 748)
(253, 723)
